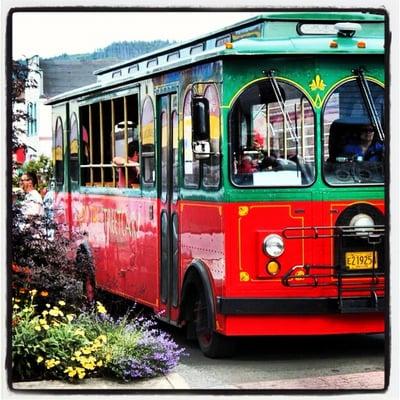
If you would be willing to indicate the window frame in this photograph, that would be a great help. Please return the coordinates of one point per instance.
(152, 183)
(322, 133)
(121, 106)
(306, 96)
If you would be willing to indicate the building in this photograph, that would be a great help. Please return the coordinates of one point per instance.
(51, 77)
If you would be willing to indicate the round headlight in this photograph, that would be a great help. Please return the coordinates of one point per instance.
(273, 245)
(362, 222)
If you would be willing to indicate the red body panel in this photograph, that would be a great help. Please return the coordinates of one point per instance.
(123, 233)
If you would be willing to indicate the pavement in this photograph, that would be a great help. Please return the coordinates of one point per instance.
(356, 381)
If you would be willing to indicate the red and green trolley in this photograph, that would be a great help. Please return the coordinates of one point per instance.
(256, 201)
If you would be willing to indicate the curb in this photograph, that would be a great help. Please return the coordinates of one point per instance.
(373, 380)
(169, 381)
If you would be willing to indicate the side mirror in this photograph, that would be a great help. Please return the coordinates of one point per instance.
(200, 128)
(200, 119)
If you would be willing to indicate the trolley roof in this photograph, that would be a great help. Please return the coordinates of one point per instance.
(269, 33)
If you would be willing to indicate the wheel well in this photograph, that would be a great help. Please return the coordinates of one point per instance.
(196, 280)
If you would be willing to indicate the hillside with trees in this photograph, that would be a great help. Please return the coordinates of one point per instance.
(70, 71)
(117, 51)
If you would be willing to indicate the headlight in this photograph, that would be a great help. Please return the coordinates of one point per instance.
(362, 222)
(273, 245)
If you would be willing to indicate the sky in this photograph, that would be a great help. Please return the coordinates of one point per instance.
(49, 34)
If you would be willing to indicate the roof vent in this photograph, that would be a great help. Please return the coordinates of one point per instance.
(347, 29)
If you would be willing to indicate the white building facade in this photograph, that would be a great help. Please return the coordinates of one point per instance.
(38, 130)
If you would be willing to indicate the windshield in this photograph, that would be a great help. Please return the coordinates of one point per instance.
(353, 149)
(272, 136)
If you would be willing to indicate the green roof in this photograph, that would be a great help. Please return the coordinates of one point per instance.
(268, 33)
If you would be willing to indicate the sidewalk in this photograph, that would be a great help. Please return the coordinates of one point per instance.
(357, 381)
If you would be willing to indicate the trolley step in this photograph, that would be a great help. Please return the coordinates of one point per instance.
(362, 305)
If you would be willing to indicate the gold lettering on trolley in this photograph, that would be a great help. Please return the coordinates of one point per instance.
(116, 222)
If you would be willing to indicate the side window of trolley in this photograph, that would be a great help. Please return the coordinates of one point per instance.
(110, 143)
(211, 165)
(191, 165)
(148, 142)
(74, 149)
(353, 135)
(272, 134)
(58, 152)
(201, 133)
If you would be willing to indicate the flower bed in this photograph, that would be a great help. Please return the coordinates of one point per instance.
(53, 342)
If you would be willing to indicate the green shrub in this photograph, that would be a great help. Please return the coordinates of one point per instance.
(51, 344)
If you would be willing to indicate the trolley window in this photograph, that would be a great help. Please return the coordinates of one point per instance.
(191, 166)
(110, 145)
(353, 147)
(74, 149)
(58, 152)
(272, 136)
(148, 153)
(211, 165)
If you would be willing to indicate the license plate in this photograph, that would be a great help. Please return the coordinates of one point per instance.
(361, 260)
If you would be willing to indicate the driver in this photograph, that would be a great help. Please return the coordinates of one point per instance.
(365, 149)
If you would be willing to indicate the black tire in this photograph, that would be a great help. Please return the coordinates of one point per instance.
(85, 266)
(211, 343)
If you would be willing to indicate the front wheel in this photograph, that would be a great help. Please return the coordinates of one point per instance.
(212, 344)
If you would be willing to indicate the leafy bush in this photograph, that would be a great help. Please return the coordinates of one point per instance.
(49, 343)
(43, 258)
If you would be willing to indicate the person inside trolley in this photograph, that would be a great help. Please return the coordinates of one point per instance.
(132, 164)
(365, 148)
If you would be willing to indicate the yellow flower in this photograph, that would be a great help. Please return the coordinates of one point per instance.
(33, 292)
(86, 350)
(80, 332)
(70, 317)
(102, 338)
(99, 363)
(100, 308)
(42, 321)
(44, 293)
(45, 312)
(61, 303)
(48, 305)
(51, 363)
(39, 359)
(37, 328)
(70, 371)
(55, 312)
(77, 353)
(15, 306)
(17, 300)
(46, 327)
(81, 372)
